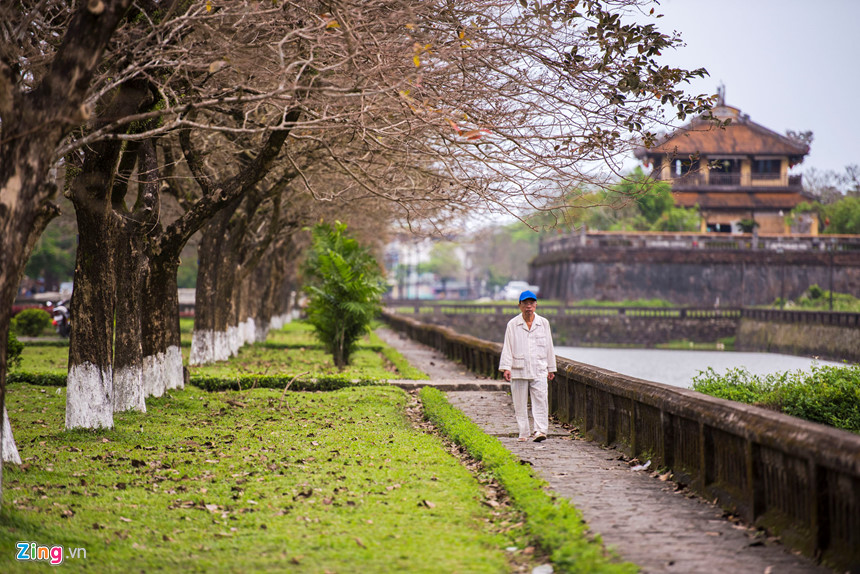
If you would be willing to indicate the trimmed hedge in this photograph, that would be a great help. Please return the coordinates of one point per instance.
(555, 524)
(245, 382)
(40, 379)
(215, 384)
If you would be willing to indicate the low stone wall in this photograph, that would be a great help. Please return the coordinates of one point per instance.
(690, 276)
(800, 480)
(830, 342)
(582, 330)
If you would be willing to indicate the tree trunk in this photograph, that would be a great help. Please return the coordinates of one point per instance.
(208, 345)
(162, 363)
(261, 281)
(89, 387)
(34, 123)
(128, 349)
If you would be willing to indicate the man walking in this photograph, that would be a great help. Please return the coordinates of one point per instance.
(528, 361)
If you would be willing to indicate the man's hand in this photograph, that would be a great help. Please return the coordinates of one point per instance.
(550, 376)
(507, 375)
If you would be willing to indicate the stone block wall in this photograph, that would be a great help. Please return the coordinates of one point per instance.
(696, 277)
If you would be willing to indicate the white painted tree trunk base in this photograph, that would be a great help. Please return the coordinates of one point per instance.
(89, 397)
(249, 331)
(128, 394)
(202, 347)
(10, 449)
(173, 374)
(234, 341)
(279, 321)
(261, 331)
(162, 372)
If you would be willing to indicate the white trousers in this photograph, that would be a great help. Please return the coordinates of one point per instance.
(520, 389)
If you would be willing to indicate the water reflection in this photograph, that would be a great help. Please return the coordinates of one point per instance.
(678, 368)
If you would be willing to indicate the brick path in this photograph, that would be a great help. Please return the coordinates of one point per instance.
(646, 520)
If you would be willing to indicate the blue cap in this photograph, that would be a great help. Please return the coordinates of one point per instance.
(527, 295)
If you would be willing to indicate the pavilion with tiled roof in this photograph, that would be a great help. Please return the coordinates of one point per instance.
(734, 173)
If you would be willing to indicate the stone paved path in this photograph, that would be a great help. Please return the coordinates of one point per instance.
(643, 518)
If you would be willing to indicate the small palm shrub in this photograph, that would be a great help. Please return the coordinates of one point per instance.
(344, 286)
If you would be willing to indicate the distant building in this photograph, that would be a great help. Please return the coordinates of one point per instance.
(736, 175)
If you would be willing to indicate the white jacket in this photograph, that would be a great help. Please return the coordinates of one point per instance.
(528, 353)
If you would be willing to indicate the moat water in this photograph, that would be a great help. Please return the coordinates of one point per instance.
(678, 368)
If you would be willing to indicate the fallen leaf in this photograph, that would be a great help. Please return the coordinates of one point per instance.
(360, 543)
(124, 519)
(427, 503)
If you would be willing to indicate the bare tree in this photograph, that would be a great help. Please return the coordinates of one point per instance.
(430, 106)
(42, 98)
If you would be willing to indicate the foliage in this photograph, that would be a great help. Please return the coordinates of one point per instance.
(653, 198)
(842, 216)
(827, 395)
(344, 284)
(186, 274)
(501, 254)
(14, 347)
(42, 379)
(445, 263)
(53, 256)
(31, 322)
(678, 219)
(306, 482)
(830, 186)
(748, 225)
(558, 526)
(817, 299)
(635, 203)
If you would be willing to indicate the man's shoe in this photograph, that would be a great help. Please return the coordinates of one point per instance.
(539, 437)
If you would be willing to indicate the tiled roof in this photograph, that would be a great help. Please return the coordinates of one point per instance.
(767, 201)
(741, 137)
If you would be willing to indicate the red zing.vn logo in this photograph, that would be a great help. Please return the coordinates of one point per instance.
(53, 554)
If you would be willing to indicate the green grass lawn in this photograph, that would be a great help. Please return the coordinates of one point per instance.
(253, 481)
(292, 350)
(337, 482)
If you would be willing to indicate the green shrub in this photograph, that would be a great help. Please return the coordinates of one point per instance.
(554, 523)
(40, 379)
(31, 322)
(344, 287)
(827, 395)
(14, 347)
(815, 292)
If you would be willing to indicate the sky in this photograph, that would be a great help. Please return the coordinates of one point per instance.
(789, 64)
